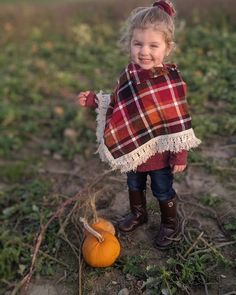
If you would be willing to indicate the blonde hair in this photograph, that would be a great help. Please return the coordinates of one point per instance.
(146, 17)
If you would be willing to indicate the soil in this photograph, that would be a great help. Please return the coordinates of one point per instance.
(112, 203)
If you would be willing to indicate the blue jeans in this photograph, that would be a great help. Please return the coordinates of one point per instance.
(161, 182)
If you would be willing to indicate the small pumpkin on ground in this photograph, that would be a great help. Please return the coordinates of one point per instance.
(100, 248)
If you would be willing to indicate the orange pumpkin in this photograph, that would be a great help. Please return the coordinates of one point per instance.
(103, 224)
(100, 248)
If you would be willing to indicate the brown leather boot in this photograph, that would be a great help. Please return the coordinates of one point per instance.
(138, 213)
(169, 227)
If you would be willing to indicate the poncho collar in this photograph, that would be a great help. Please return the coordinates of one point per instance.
(140, 75)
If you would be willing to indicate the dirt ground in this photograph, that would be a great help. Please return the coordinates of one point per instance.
(112, 203)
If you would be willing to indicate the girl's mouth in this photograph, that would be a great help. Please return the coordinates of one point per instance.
(145, 61)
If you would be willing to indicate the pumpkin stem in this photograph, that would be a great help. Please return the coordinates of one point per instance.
(92, 202)
(91, 230)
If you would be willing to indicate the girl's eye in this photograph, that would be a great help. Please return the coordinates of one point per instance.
(137, 44)
(154, 46)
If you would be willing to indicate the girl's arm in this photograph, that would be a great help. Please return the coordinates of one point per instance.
(178, 161)
(87, 99)
(90, 99)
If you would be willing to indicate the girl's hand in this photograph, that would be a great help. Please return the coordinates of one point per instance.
(178, 168)
(82, 98)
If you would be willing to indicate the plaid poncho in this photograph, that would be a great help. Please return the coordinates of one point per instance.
(146, 114)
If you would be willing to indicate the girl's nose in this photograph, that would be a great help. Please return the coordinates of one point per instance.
(144, 50)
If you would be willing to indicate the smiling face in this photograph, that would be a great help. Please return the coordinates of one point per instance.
(148, 48)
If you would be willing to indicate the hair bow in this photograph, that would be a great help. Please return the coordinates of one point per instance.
(165, 6)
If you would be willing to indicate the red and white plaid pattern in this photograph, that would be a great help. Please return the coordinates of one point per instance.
(147, 114)
(145, 105)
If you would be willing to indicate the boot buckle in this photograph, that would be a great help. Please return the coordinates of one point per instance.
(170, 204)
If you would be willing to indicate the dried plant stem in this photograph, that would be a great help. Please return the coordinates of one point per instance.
(20, 285)
(64, 224)
(225, 244)
(193, 245)
(212, 248)
(93, 206)
(201, 251)
(47, 255)
(91, 230)
(205, 285)
(73, 248)
(80, 274)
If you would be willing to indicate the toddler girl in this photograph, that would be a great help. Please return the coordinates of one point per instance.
(144, 127)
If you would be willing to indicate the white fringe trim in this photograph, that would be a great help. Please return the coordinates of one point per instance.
(103, 104)
(184, 140)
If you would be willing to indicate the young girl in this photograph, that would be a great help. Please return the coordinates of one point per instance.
(144, 127)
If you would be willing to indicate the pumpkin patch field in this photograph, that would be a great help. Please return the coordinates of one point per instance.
(52, 182)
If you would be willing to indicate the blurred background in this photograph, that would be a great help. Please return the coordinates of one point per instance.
(52, 50)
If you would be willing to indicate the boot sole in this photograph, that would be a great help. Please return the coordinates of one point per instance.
(133, 229)
(175, 240)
